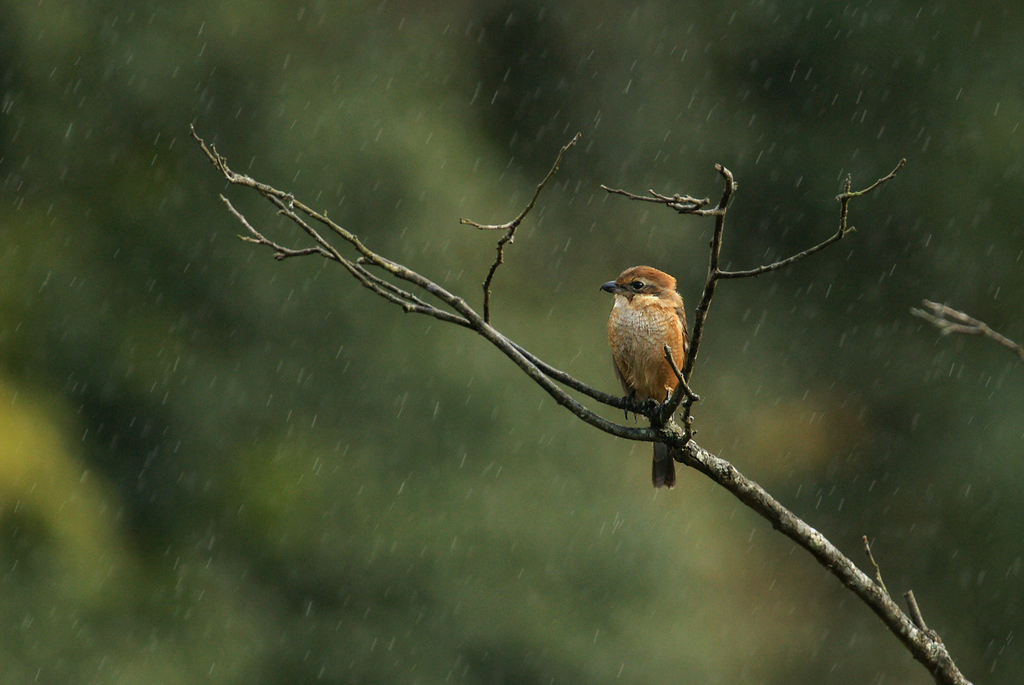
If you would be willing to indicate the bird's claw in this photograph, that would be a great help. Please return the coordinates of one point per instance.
(649, 406)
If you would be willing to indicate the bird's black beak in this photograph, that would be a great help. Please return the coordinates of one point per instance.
(611, 287)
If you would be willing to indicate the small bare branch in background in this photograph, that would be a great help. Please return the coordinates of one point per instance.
(949, 320)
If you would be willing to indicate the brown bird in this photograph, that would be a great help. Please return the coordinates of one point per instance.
(647, 315)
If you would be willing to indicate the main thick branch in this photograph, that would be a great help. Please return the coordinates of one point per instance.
(923, 644)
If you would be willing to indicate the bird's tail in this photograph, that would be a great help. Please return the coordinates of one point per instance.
(663, 471)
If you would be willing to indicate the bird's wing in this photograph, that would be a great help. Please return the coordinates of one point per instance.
(622, 379)
(681, 315)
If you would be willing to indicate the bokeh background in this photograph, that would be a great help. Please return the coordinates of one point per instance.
(215, 467)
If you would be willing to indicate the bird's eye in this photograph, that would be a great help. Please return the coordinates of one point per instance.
(637, 285)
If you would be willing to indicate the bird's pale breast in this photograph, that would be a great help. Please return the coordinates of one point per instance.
(638, 330)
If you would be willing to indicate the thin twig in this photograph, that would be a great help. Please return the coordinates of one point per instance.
(878, 571)
(287, 204)
(949, 320)
(684, 204)
(691, 396)
(915, 611)
(280, 251)
(511, 226)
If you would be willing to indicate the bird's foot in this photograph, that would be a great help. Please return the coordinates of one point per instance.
(649, 407)
(628, 398)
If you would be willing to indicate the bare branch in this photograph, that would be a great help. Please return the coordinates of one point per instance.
(949, 320)
(616, 401)
(846, 196)
(511, 226)
(844, 203)
(388, 291)
(465, 316)
(701, 312)
(286, 205)
(280, 252)
(925, 645)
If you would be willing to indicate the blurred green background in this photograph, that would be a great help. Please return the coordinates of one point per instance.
(219, 468)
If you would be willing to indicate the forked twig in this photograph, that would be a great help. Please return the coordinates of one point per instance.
(949, 320)
(684, 204)
(878, 571)
(511, 226)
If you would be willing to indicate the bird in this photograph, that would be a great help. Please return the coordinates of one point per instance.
(648, 314)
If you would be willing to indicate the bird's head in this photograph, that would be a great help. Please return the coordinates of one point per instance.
(641, 280)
